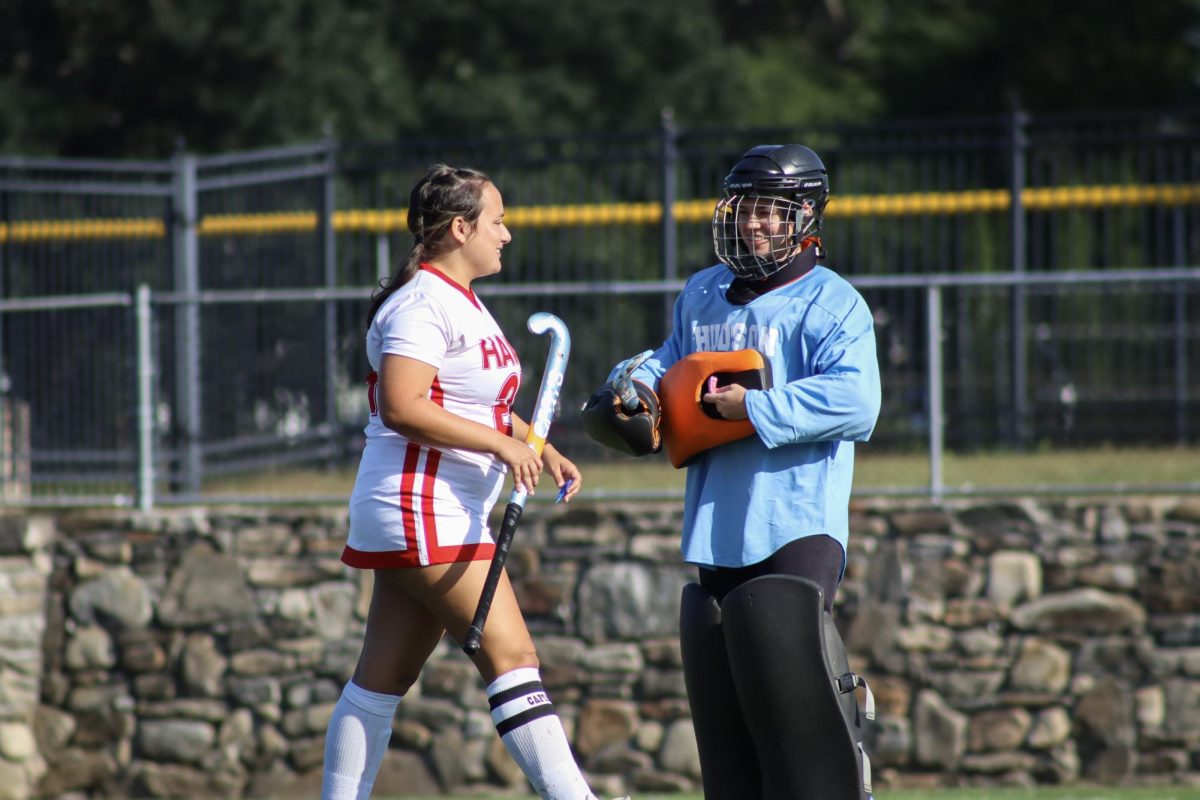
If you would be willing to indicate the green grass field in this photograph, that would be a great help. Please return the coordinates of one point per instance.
(1056, 793)
(1100, 467)
(1053, 793)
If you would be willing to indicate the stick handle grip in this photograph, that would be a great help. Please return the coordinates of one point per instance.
(512, 515)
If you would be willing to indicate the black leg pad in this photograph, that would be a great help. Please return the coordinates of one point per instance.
(728, 763)
(792, 680)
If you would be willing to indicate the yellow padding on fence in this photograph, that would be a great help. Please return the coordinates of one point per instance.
(893, 205)
(45, 230)
(594, 214)
(257, 224)
(1056, 197)
(371, 220)
(606, 214)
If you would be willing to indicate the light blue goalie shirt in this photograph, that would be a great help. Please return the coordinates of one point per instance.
(748, 498)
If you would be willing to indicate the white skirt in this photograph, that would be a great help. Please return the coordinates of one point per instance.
(414, 505)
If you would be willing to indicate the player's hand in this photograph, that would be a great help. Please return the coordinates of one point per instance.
(524, 464)
(562, 469)
(729, 400)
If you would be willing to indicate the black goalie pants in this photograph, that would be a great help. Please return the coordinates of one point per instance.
(772, 695)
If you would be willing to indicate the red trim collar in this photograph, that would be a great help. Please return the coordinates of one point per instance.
(470, 295)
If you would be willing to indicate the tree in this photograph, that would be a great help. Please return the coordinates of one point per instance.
(134, 77)
(939, 57)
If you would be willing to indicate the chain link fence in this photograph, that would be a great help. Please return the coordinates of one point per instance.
(1033, 281)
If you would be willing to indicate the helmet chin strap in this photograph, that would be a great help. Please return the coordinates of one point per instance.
(813, 241)
(802, 247)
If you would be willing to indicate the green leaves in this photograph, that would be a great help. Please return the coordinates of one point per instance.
(136, 77)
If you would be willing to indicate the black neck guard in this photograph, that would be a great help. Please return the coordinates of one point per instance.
(742, 290)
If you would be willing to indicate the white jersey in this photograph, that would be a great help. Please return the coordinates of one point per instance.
(413, 504)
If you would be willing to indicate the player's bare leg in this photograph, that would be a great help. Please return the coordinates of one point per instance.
(449, 593)
(401, 633)
(507, 661)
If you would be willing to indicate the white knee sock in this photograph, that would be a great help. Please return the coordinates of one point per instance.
(534, 735)
(355, 742)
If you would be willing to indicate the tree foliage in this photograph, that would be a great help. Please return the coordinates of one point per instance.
(140, 77)
(946, 56)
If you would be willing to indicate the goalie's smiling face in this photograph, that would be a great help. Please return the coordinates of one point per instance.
(762, 225)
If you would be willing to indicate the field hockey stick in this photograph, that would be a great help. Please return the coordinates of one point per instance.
(535, 438)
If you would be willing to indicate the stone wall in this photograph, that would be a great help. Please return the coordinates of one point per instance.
(199, 652)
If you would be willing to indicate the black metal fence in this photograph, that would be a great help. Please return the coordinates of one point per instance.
(605, 227)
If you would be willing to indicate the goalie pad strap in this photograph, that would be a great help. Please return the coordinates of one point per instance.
(691, 426)
(850, 681)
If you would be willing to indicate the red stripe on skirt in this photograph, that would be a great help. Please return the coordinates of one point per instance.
(408, 478)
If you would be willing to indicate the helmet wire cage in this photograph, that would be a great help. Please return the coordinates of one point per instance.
(757, 235)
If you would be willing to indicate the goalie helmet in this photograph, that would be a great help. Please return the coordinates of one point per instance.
(775, 197)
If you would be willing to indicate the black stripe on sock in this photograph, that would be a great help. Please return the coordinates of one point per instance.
(500, 698)
(524, 718)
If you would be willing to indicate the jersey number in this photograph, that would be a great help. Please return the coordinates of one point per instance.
(502, 411)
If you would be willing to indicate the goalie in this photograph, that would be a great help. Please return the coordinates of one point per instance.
(768, 378)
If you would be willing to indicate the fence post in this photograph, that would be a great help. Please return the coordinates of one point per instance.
(933, 304)
(383, 257)
(5, 433)
(1179, 248)
(187, 322)
(329, 262)
(144, 322)
(1017, 145)
(670, 252)
(16, 479)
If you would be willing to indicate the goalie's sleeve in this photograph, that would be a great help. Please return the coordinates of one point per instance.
(840, 402)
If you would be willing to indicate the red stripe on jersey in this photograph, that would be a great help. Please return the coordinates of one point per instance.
(373, 392)
(412, 504)
(436, 394)
(393, 559)
(408, 478)
(428, 514)
(467, 293)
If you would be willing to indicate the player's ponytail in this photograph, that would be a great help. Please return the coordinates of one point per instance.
(441, 195)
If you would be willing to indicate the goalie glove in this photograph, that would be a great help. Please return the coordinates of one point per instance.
(635, 433)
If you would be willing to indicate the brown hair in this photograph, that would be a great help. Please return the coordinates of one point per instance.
(441, 195)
